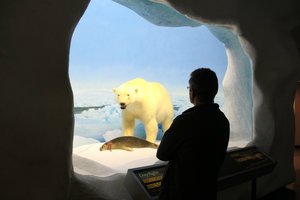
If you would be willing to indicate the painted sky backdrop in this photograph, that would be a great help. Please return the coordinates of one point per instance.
(112, 45)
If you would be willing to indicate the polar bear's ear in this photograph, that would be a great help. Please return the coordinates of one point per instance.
(115, 90)
(137, 89)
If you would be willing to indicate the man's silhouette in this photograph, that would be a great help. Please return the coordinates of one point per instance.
(195, 144)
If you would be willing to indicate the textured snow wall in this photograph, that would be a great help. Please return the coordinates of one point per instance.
(157, 14)
(237, 85)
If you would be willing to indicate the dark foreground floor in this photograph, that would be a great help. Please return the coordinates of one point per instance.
(291, 191)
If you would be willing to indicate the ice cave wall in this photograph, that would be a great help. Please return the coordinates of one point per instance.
(36, 105)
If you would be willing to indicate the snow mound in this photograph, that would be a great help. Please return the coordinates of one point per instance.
(88, 159)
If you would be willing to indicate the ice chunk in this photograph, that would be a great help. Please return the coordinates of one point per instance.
(80, 141)
(94, 123)
(109, 135)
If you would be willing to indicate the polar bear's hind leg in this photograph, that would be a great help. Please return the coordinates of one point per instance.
(166, 124)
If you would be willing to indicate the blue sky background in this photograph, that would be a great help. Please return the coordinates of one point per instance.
(112, 45)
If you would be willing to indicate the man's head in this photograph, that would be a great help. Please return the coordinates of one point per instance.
(203, 86)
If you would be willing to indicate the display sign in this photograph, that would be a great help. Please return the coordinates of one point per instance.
(144, 183)
(151, 179)
(240, 165)
(250, 158)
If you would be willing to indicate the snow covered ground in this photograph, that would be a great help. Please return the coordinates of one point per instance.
(89, 160)
(115, 161)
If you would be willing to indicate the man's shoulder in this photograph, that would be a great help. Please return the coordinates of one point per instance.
(182, 118)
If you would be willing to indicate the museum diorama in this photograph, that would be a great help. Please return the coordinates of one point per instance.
(43, 159)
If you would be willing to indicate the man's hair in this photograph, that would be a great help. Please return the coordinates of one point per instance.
(204, 84)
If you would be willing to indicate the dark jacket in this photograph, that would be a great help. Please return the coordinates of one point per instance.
(195, 146)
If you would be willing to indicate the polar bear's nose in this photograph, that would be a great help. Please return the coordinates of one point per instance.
(122, 104)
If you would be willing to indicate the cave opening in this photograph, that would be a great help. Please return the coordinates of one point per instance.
(112, 45)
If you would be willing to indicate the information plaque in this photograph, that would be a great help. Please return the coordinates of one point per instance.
(243, 165)
(144, 183)
(240, 165)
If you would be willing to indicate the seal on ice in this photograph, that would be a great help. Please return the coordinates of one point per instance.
(127, 143)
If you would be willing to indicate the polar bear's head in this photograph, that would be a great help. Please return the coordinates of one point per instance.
(125, 95)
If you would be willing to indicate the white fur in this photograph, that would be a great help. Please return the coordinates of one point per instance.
(146, 101)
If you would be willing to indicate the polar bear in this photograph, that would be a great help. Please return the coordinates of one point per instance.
(147, 101)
